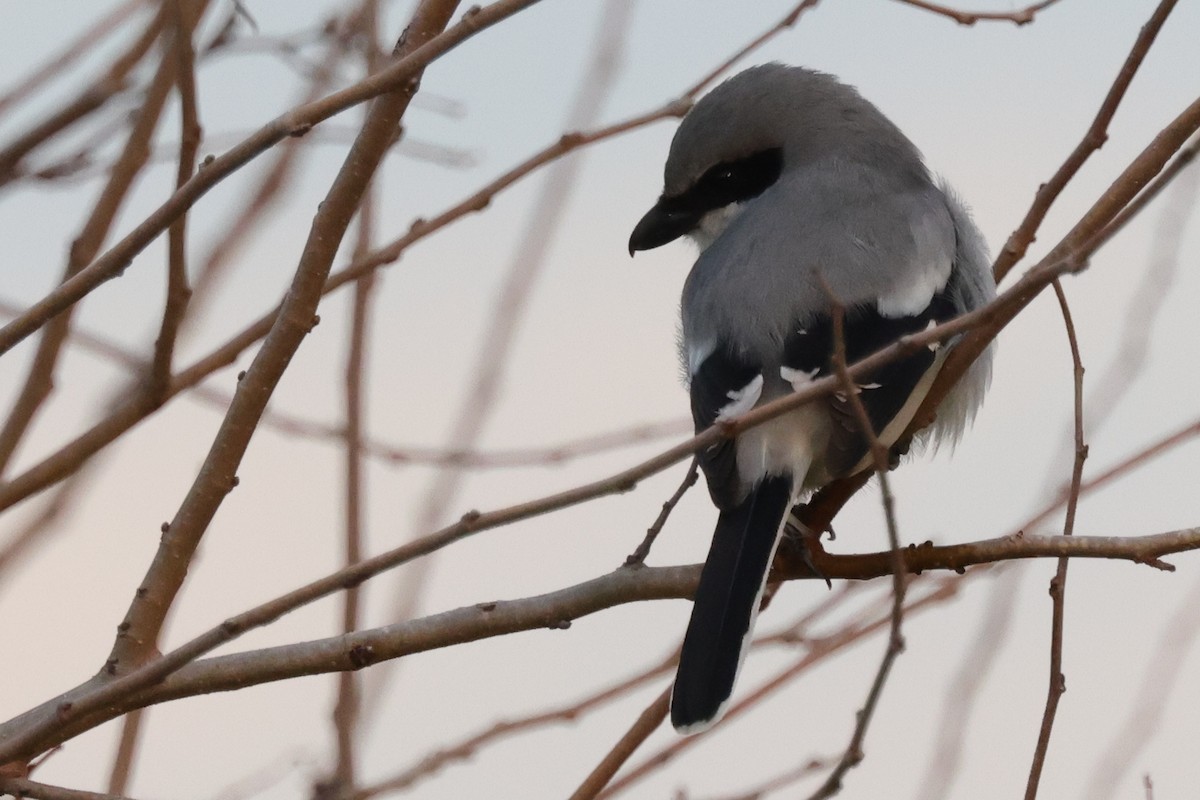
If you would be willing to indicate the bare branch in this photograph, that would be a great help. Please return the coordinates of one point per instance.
(1058, 584)
(465, 749)
(183, 21)
(646, 723)
(294, 123)
(638, 556)
(496, 342)
(1007, 547)
(122, 769)
(1118, 379)
(853, 754)
(1093, 140)
(40, 381)
(349, 702)
(23, 787)
(87, 706)
(87, 101)
(783, 780)
(76, 49)
(1022, 16)
(818, 651)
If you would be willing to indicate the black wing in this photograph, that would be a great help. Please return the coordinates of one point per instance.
(885, 389)
(715, 385)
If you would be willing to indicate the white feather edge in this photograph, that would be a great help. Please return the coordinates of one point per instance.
(741, 400)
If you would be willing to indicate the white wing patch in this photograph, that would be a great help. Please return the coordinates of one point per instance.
(925, 275)
(741, 400)
(798, 378)
(913, 296)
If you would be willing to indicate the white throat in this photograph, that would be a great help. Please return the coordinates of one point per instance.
(713, 224)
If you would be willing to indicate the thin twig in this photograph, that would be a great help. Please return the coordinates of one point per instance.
(853, 754)
(23, 787)
(75, 50)
(646, 723)
(217, 477)
(470, 746)
(1094, 138)
(39, 381)
(790, 635)
(1022, 16)
(1119, 469)
(183, 21)
(244, 221)
(345, 713)
(1058, 584)
(1169, 173)
(529, 257)
(122, 768)
(782, 780)
(1115, 382)
(1164, 666)
(818, 651)
(293, 123)
(551, 455)
(347, 708)
(638, 556)
(72, 112)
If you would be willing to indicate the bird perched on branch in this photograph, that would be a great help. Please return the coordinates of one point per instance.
(803, 198)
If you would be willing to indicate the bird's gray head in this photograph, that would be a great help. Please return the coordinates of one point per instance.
(744, 135)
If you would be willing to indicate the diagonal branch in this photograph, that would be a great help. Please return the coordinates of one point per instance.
(78, 109)
(217, 477)
(1093, 139)
(296, 122)
(75, 50)
(39, 382)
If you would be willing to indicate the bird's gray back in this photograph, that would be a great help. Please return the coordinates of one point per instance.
(856, 231)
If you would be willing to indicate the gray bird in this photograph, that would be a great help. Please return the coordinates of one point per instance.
(796, 188)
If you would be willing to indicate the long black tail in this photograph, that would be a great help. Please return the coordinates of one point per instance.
(726, 604)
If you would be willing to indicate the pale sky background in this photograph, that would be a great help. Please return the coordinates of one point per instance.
(994, 108)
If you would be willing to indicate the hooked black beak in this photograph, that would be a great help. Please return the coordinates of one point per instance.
(662, 224)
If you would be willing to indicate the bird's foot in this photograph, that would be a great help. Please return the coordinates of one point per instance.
(803, 542)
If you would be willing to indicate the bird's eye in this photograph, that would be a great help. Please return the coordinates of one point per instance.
(737, 181)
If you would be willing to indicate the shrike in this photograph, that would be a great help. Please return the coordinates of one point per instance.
(800, 194)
